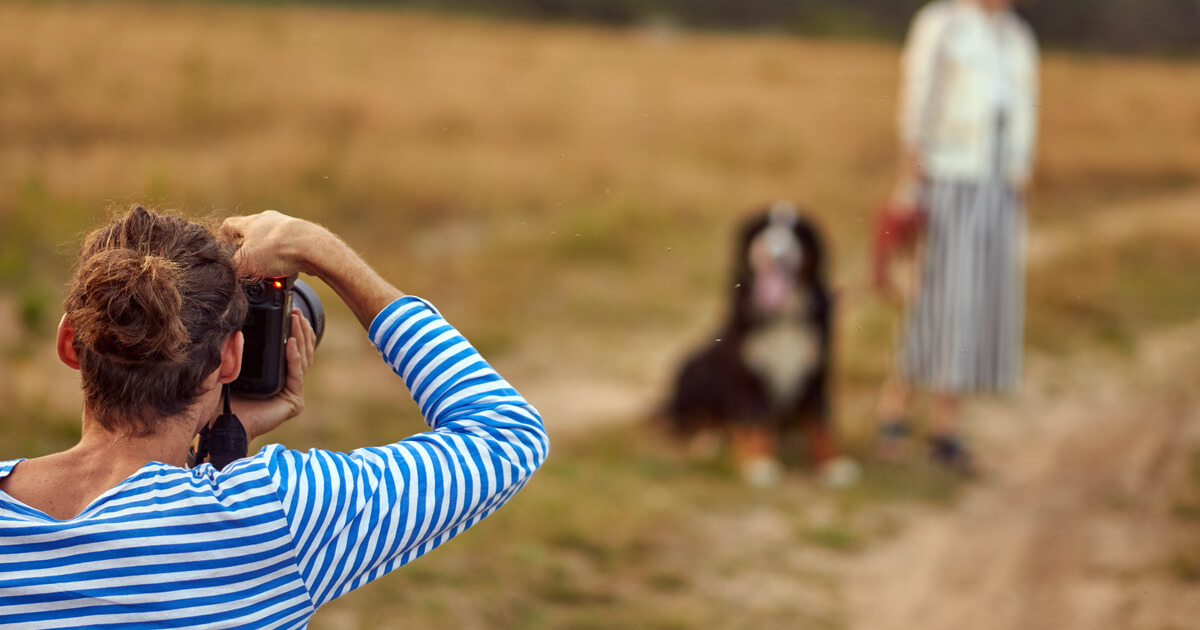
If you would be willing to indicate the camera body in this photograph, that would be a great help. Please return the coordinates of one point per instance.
(267, 328)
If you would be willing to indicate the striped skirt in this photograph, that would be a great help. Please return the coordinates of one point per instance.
(964, 326)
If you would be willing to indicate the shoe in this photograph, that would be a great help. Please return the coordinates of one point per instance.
(949, 451)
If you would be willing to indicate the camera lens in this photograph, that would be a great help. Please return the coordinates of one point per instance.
(305, 299)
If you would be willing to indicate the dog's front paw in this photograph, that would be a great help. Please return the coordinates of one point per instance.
(841, 472)
(762, 472)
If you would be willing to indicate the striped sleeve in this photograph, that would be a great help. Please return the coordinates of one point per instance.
(356, 516)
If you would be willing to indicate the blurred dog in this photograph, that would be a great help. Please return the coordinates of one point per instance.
(767, 371)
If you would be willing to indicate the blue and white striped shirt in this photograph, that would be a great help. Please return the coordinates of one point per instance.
(265, 542)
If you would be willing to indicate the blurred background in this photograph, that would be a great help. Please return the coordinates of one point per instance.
(561, 177)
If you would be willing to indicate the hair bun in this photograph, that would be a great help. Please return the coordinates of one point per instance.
(131, 307)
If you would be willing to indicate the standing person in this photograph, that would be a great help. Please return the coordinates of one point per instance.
(967, 128)
(117, 532)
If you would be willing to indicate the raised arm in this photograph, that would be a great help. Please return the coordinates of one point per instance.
(356, 516)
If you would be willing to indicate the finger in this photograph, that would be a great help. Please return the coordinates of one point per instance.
(296, 329)
(293, 391)
(309, 337)
(248, 256)
(298, 334)
(296, 364)
(234, 227)
(312, 336)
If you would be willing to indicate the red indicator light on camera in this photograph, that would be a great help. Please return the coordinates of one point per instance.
(278, 284)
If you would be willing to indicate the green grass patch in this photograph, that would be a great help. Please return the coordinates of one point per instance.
(1185, 566)
(838, 537)
(1111, 296)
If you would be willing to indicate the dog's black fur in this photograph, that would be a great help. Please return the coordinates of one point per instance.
(717, 388)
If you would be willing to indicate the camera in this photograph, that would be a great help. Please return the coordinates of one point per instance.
(267, 328)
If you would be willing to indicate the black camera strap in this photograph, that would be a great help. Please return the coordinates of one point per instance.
(224, 441)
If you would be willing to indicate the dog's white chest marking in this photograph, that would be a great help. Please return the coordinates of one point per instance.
(782, 353)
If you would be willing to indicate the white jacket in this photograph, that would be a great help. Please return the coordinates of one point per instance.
(961, 67)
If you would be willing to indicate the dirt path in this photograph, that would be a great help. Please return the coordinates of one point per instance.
(1072, 527)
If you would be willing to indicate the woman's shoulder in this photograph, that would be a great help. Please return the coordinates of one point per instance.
(938, 11)
(1022, 28)
(936, 17)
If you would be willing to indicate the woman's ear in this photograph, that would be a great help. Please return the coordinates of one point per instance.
(231, 357)
(65, 342)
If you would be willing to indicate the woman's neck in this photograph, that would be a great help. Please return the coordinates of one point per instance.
(63, 484)
(168, 445)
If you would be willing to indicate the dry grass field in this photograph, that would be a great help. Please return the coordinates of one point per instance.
(564, 194)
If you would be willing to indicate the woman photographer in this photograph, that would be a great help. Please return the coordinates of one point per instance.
(117, 532)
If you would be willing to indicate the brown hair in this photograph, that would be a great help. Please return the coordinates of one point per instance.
(152, 301)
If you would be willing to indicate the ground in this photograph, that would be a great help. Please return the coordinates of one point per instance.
(1072, 527)
(574, 225)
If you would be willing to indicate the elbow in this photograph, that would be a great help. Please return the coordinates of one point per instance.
(527, 433)
(541, 439)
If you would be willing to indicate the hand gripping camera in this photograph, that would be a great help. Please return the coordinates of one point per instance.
(264, 361)
(268, 326)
